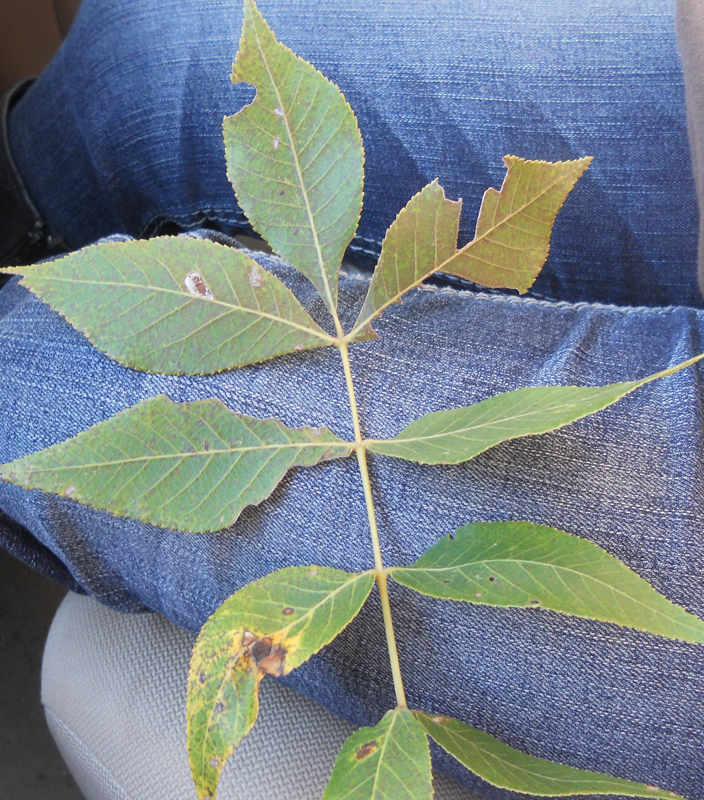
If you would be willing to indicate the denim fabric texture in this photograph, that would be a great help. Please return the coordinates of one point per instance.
(629, 478)
(122, 133)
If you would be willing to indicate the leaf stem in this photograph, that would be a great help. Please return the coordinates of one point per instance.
(380, 572)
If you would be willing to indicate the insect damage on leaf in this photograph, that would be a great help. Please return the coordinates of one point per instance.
(513, 229)
(303, 194)
(268, 627)
(197, 286)
(143, 304)
(269, 657)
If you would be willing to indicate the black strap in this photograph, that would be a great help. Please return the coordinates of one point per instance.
(24, 234)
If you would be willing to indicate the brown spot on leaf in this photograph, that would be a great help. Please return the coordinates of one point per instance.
(273, 664)
(267, 656)
(447, 581)
(492, 578)
(477, 594)
(314, 572)
(282, 193)
(69, 490)
(196, 285)
(441, 718)
(206, 446)
(214, 762)
(298, 347)
(219, 708)
(260, 648)
(287, 611)
(201, 677)
(535, 602)
(366, 749)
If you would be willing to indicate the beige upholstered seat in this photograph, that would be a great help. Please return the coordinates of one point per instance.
(113, 688)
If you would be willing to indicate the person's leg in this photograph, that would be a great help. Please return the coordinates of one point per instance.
(630, 479)
(690, 37)
(122, 133)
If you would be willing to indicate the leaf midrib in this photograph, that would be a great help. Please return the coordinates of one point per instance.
(299, 173)
(380, 760)
(520, 562)
(399, 439)
(440, 267)
(320, 334)
(494, 756)
(194, 453)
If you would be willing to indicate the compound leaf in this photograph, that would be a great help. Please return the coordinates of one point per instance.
(389, 761)
(423, 236)
(512, 236)
(175, 305)
(294, 156)
(192, 466)
(460, 434)
(507, 768)
(270, 626)
(528, 565)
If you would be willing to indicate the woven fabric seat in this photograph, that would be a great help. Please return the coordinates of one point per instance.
(113, 688)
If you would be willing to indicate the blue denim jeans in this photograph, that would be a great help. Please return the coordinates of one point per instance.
(122, 134)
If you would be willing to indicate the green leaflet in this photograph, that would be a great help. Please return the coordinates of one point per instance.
(270, 627)
(523, 564)
(512, 236)
(511, 241)
(390, 761)
(175, 305)
(508, 768)
(423, 236)
(460, 434)
(294, 156)
(223, 703)
(192, 466)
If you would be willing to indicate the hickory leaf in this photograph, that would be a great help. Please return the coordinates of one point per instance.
(270, 626)
(423, 236)
(507, 768)
(460, 434)
(512, 236)
(192, 466)
(294, 156)
(523, 564)
(175, 305)
(390, 761)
